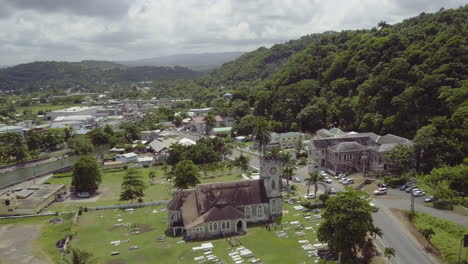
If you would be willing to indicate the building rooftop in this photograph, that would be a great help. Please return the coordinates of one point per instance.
(75, 109)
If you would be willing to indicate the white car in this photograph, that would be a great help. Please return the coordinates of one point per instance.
(380, 191)
(327, 180)
(418, 193)
(332, 191)
(310, 196)
(322, 173)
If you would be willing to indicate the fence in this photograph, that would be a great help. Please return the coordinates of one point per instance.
(27, 216)
(125, 206)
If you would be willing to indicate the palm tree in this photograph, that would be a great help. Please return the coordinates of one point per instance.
(288, 168)
(80, 257)
(389, 252)
(376, 231)
(261, 132)
(313, 178)
(428, 233)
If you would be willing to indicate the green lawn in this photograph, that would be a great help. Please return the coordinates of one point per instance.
(96, 231)
(447, 235)
(43, 107)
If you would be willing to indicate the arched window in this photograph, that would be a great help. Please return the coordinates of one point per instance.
(260, 211)
(215, 226)
(228, 225)
(273, 185)
(248, 211)
(273, 206)
(223, 225)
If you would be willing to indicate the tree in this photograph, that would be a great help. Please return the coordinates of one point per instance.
(324, 197)
(86, 175)
(401, 158)
(389, 252)
(98, 136)
(347, 220)
(242, 161)
(80, 257)
(313, 178)
(152, 175)
(376, 231)
(186, 174)
(177, 120)
(133, 186)
(428, 233)
(261, 132)
(210, 122)
(34, 140)
(288, 168)
(175, 152)
(81, 144)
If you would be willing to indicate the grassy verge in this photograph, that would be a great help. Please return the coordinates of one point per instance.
(447, 235)
(43, 107)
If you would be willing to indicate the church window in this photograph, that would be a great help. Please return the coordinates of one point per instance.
(215, 226)
(273, 206)
(248, 211)
(223, 225)
(260, 211)
(228, 225)
(273, 185)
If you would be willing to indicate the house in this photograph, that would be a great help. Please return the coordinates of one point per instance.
(149, 135)
(226, 208)
(221, 131)
(285, 140)
(145, 160)
(198, 124)
(30, 200)
(187, 142)
(160, 147)
(199, 111)
(127, 157)
(13, 129)
(352, 152)
(227, 96)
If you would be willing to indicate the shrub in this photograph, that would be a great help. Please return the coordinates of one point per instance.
(443, 205)
(145, 165)
(302, 161)
(125, 167)
(394, 182)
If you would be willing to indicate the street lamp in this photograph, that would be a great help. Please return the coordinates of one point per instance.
(364, 160)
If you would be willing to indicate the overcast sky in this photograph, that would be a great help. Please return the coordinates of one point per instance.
(72, 30)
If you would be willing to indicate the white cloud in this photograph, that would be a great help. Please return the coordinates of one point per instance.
(124, 29)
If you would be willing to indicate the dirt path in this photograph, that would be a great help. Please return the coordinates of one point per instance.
(16, 244)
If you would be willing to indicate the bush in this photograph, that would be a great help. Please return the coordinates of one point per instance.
(443, 205)
(125, 167)
(145, 165)
(302, 161)
(394, 182)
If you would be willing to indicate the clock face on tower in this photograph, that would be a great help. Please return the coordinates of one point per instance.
(273, 171)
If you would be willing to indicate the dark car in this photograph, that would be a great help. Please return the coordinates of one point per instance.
(410, 188)
(382, 185)
(404, 186)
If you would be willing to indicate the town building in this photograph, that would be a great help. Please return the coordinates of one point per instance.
(149, 135)
(227, 96)
(342, 152)
(72, 111)
(285, 140)
(30, 200)
(226, 208)
(13, 129)
(127, 157)
(198, 123)
(160, 147)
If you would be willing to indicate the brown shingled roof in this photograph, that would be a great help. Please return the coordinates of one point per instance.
(218, 213)
(238, 193)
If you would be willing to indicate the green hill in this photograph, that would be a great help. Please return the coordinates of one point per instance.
(61, 75)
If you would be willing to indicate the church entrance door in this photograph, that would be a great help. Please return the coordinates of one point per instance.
(239, 227)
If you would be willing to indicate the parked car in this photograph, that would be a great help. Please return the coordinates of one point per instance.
(419, 193)
(332, 191)
(382, 185)
(404, 186)
(327, 180)
(295, 179)
(339, 176)
(310, 196)
(380, 191)
(410, 188)
(374, 208)
(322, 173)
(429, 199)
(347, 181)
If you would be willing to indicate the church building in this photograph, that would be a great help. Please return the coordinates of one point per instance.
(225, 208)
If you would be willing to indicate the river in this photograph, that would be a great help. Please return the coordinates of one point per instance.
(27, 172)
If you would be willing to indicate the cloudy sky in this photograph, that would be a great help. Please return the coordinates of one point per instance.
(72, 30)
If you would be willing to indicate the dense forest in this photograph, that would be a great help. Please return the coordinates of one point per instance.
(62, 75)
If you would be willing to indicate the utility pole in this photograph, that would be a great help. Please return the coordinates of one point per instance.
(412, 202)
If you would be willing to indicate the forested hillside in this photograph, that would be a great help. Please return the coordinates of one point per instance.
(61, 75)
(408, 79)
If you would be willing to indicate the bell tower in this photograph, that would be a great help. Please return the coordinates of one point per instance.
(270, 172)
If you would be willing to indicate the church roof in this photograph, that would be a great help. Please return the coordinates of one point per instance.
(237, 193)
(347, 146)
(217, 213)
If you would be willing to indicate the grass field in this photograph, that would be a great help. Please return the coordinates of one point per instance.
(447, 236)
(158, 189)
(96, 231)
(43, 107)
